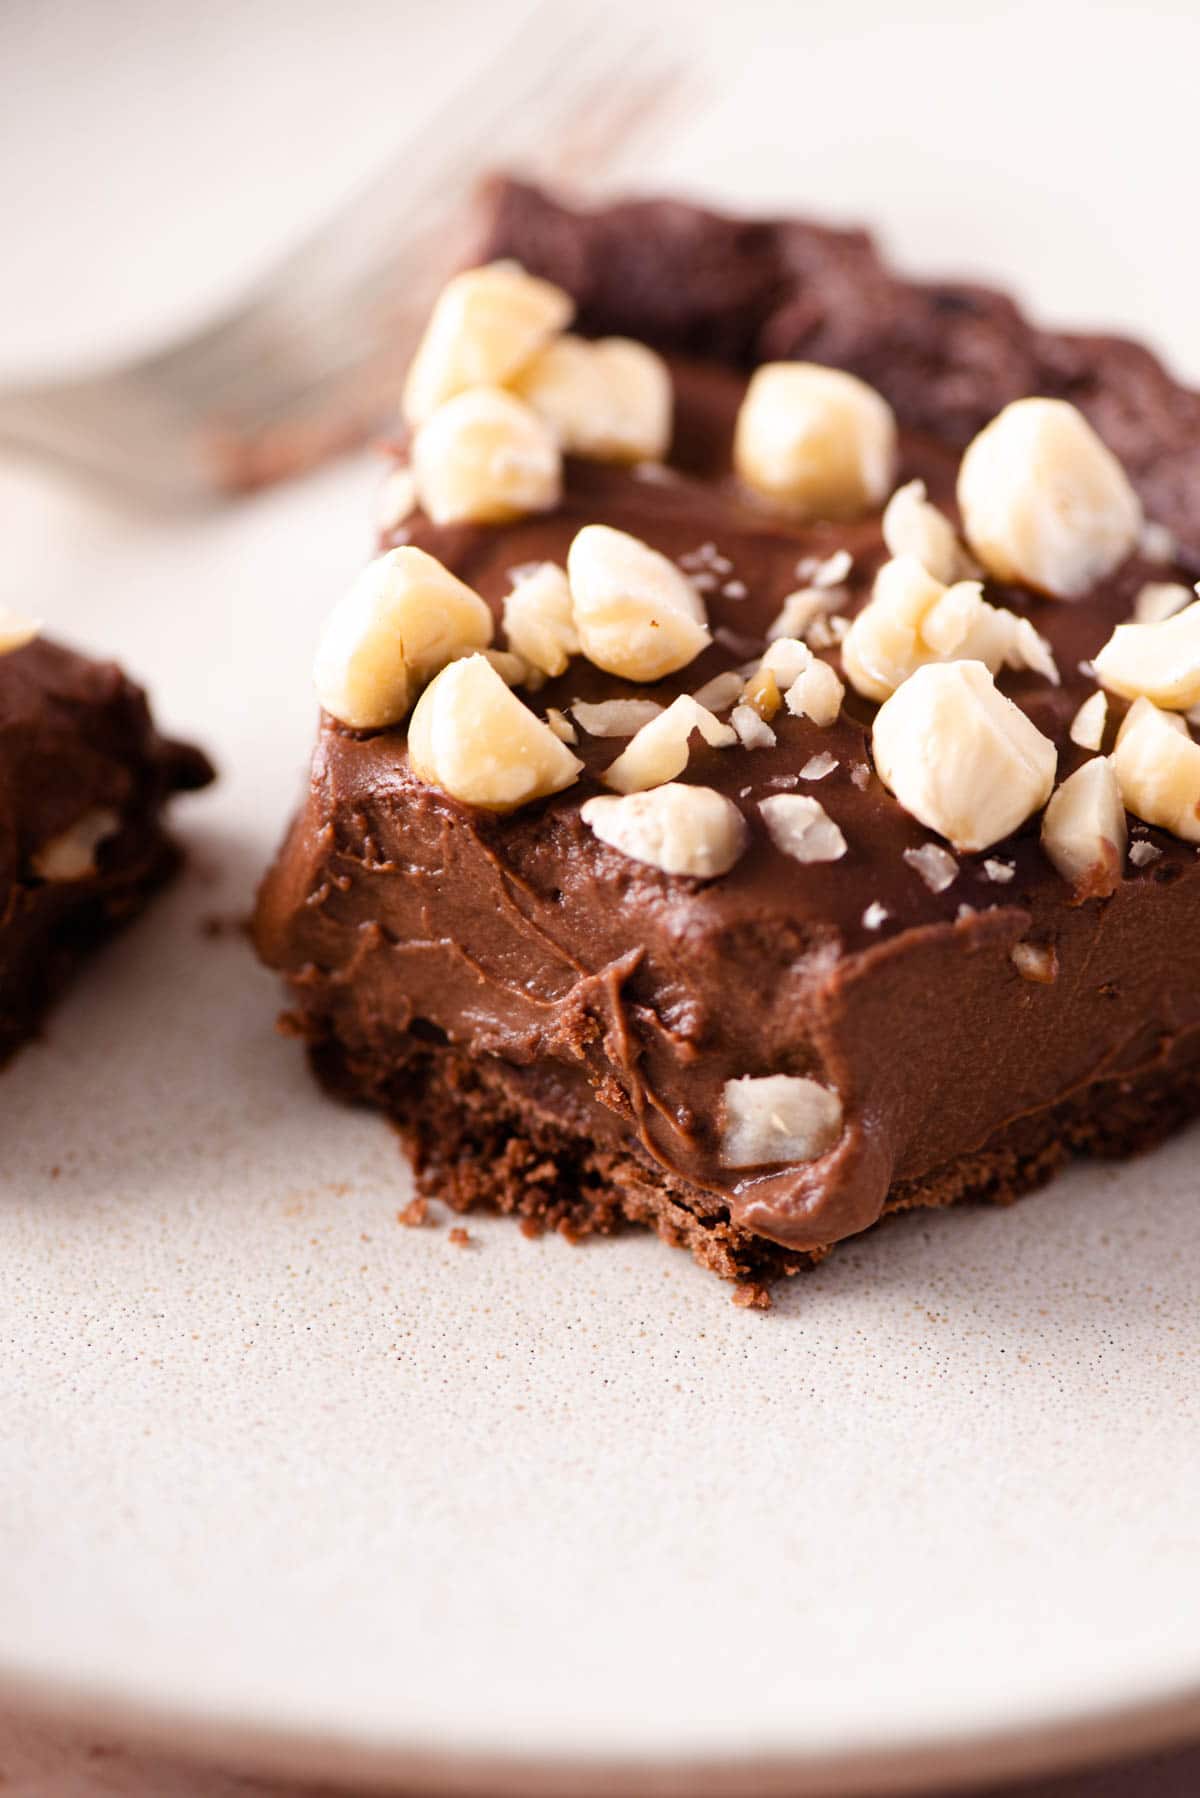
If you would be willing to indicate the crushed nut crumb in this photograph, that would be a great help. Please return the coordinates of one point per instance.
(998, 871)
(748, 1296)
(762, 694)
(615, 717)
(1161, 599)
(561, 725)
(818, 766)
(753, 732)
(416, 1215)
(1157, 543)
(721, 692)
(802, 828)
(935, 865)
(1087, 726)
(1037, 962)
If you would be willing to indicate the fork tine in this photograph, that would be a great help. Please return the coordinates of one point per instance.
(336, 249)
(304, 364)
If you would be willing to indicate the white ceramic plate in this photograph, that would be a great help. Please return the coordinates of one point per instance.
(280, 1478)
(281, 1475)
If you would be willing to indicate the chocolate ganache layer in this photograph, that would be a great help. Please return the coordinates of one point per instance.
(619, 1000)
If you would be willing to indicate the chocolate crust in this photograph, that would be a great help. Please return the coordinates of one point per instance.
(480, 1139)
(590, 1009)
(76, 735)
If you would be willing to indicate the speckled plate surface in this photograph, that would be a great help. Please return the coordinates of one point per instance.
(279, 1473)
(282, 1479)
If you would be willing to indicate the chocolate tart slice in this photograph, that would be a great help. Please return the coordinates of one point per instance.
(853, 961)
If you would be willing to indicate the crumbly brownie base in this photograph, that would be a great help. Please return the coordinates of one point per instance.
(478, 1142)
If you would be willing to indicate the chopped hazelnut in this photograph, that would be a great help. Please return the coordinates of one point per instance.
(1036, 962)
(883, 645)
(721, 692)
(960, 756)
(1087, 726)
(816, 693)
(1084, 829)
(637, 614)
(72, 854)
(486, 324)
(616, 717)
(912, 526)
(677, 828)
(659, 751)
(473, 738)
(1160, 662)
(538, 618)
(404, 618)
(811, 687)
(1157, 543)
(912, 621)
(818, 766)
(396, 499)
(485, 458)
(609, 401)
(803, 612)
(761, 693)
(1044, 502)
(828, 571)
(802, 828)
(513, 669)
(561, 725)
(15, 631)
(1161, 599)
(1158, 770)
(935, 866)
(778, 1118)
(815, 441)
(752, 729)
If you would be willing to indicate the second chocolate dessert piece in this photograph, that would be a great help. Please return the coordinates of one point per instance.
(84, 777)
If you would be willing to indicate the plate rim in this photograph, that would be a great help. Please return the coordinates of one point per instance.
(216, 1735)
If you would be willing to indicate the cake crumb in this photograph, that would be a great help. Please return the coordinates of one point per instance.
(749, 1296)
(461, 1238)
(415, 1215)
(225, 924)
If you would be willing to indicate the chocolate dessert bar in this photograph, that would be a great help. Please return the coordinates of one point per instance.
(84, 777)
(755, 790)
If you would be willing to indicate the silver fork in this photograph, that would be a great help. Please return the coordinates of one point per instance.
(309, 361)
